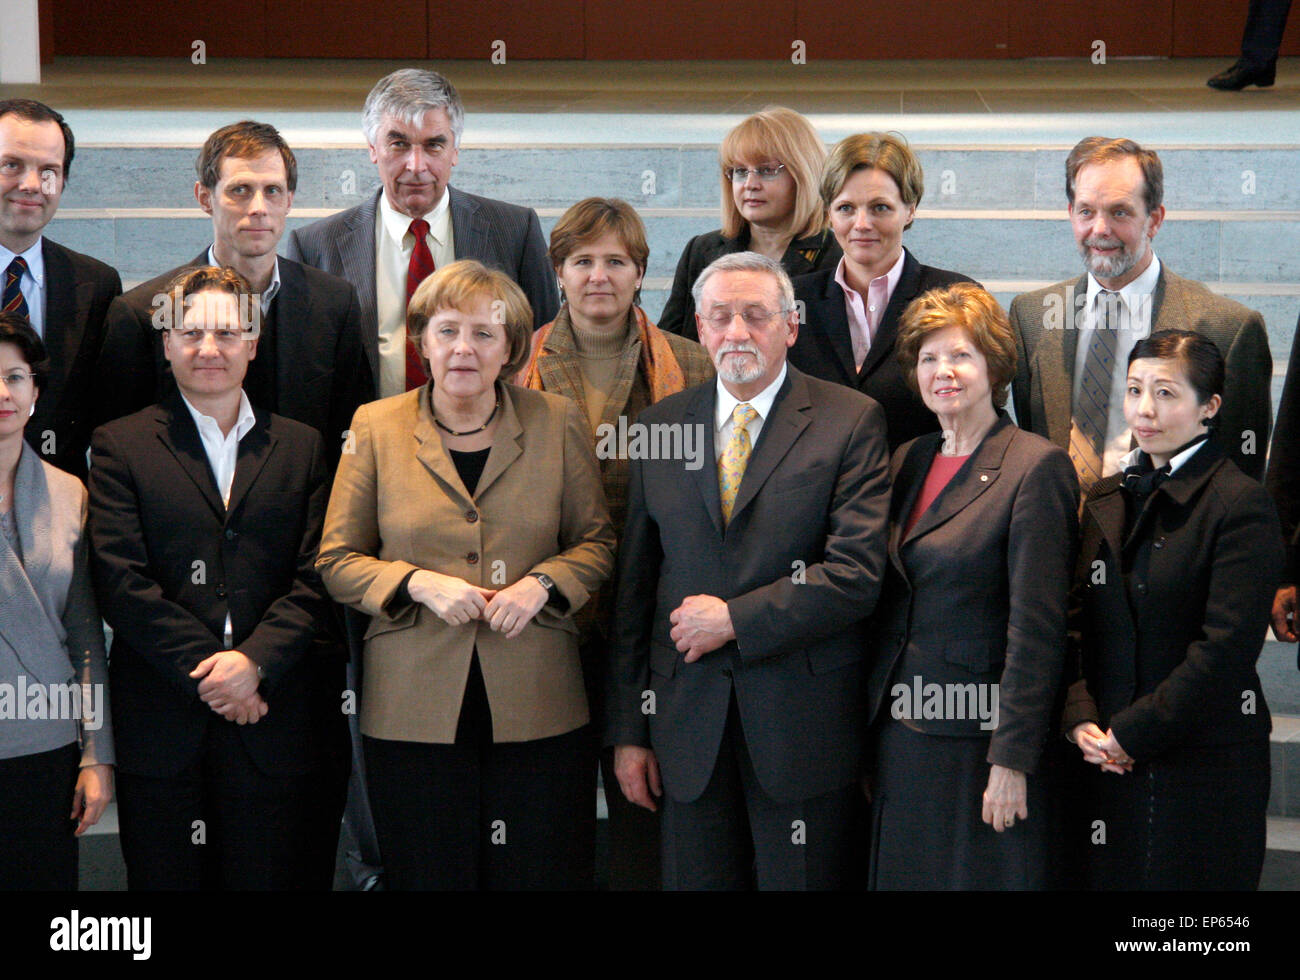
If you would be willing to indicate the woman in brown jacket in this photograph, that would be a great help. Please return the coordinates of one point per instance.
(467, 520)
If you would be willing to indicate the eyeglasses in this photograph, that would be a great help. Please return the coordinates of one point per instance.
(754, 316)
(224, 337)
(738, 175)
(16, 380)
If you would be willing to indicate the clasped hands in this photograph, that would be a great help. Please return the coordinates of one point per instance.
(1102, 748)
(228, 685)
(457, 602)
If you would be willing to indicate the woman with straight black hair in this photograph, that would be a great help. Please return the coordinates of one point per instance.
(1181, 555)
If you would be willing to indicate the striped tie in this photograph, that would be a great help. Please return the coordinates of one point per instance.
(1092, 406)
(732, 462)
(13, 300)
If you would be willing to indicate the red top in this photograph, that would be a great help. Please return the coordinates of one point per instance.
(942, 469)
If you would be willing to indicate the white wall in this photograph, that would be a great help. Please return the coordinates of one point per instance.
(20, 49)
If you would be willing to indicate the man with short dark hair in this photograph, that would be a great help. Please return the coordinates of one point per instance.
(737, 671)
(416, 222)
(311, 365)
(205, 518)
(1073, 338)
(64, 294)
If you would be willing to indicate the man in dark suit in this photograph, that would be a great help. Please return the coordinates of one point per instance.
(744, 584)
(310, 364)
(64, 294)
(205, 518)
(1073, 338)
(413, 120)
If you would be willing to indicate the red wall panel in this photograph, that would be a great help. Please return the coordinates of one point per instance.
(690, 30)
(1068, 29)
(346, 29)
(528, 29)
(922, 29)
(1204, 29)
(228, 28)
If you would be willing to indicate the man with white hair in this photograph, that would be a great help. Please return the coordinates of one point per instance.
(416, 222)
(737, 671)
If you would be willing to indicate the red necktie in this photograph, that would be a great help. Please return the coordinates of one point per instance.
(420, 268)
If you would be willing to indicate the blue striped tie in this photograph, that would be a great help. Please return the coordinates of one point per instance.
(13, 300)
(1092, 405)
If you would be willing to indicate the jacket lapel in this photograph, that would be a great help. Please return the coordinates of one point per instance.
(507, 446)
(64, 323)
(293, 317)
(254, 450)
(432, 455)
(788, 418)
(831, 320)
(356, 252)
(978, 473)
(882, 344)
(178, 433)
(1053, 364)
(468, 229)
(701, 412)
(32, 516)
(1106, 504)
(911, 474)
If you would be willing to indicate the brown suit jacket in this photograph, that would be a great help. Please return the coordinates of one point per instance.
(398, 505)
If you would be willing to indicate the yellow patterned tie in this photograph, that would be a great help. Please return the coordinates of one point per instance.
(732, 463)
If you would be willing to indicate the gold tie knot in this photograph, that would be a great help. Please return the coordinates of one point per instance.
(743, 414)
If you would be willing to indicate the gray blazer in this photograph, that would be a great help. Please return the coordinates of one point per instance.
(1046, 346)
(505, 236)
(50, 630)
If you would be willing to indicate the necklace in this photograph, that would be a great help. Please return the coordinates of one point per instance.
(452, 432)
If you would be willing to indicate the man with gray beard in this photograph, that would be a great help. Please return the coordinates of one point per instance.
(1073, 338)
(736, 698)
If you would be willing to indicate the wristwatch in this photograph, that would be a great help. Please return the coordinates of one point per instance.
(548, 583)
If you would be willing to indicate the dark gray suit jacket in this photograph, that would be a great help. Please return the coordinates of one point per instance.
(977, 592)
(78, 292)
(799, 566)
(1046, 347)
(504, 236)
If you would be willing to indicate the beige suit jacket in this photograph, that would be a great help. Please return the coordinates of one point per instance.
(398, 505)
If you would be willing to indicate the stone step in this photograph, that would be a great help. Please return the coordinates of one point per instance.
(1232, 178)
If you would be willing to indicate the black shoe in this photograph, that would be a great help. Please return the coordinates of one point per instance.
(1241, 74)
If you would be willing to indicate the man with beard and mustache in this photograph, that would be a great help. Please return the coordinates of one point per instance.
(1073, 338)
(736, 682)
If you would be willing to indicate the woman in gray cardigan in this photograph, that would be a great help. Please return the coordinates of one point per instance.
(56, 743)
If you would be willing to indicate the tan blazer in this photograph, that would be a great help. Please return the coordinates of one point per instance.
(398, 504)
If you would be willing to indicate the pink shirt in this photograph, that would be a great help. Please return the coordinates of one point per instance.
(864, 317)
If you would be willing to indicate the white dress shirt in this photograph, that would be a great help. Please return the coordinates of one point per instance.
(31, 285)
(223, 452)
(1135, 301)
(394, 244)
(1131, 457)
(726, 407)
(268, 294)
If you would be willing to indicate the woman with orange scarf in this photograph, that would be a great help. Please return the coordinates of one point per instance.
(603, 352)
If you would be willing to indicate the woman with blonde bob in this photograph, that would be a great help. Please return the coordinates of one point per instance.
(870, 188)
(467, 520)
(770, 166)
(970, 630)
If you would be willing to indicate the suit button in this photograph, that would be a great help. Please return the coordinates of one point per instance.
(221, 591)
(472, 557)
(231, 534)
(471, 516)
(1142, 589)
(1159, 543)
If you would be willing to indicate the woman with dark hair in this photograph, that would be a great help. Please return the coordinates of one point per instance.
(602, 352)
(769, 164)
(971, 625)
(56, 751)
(870, 189)
(1180, 558)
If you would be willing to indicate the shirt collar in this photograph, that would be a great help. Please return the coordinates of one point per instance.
(891, 277)
(268, 294)
(34, 257)
(1139, 291)
(396, 224)
(762, 402)
(1131, 457)
(247, 418)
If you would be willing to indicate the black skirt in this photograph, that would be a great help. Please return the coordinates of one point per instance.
(1191, 820)
(928, 832)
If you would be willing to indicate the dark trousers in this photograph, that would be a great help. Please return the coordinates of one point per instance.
(736, 837)
(479, 814)
(1265, 25)
(38, 851)
(221, 823)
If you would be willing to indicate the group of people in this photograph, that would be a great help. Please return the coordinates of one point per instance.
(427, 523)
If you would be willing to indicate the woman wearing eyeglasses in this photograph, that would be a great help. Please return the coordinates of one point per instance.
(870, 187)
(56, 746)
(770, 166)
